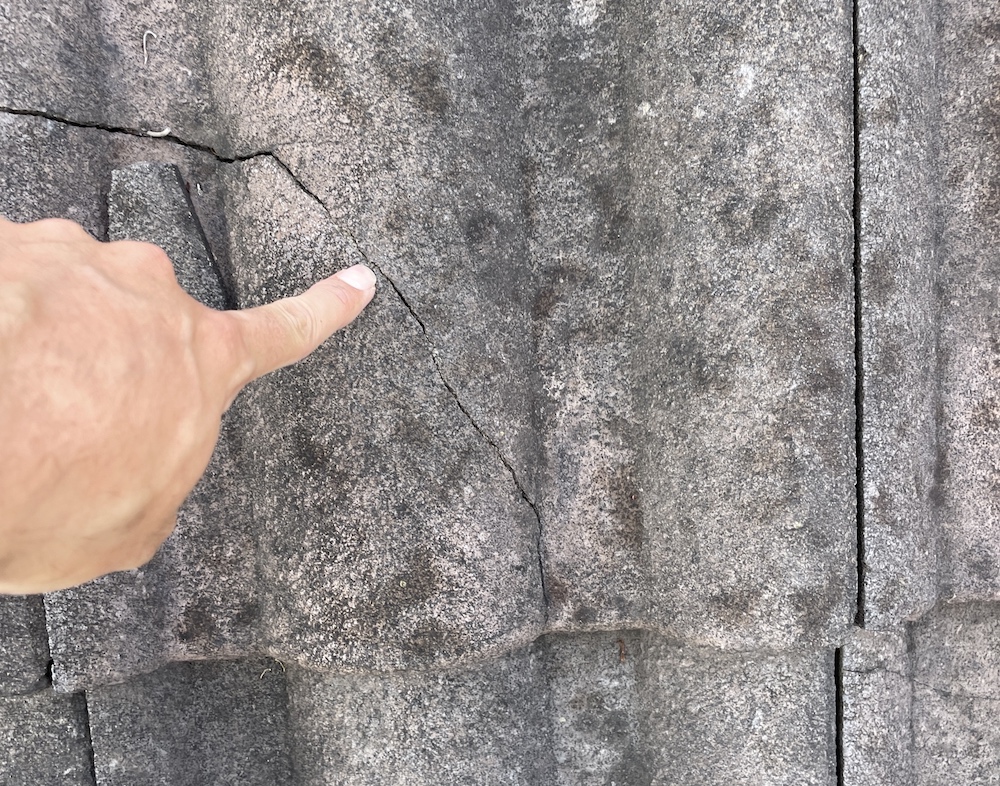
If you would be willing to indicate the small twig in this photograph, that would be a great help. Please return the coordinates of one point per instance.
(145, 53)
(269, 670)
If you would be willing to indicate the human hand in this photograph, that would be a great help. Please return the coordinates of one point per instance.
(113, 382)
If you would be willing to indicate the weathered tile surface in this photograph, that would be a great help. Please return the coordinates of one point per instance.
(969, 67)
(956, 698)
(876, 681)
(24, 647)
(928, 159)
(592, 708)
(272, 553)
(44, 740)
(600, 415)
(554, 300)
(488, 724)
(737, 718)
(391, 534)
(657, 418)
(920, 703)
(900, 258)
(193, 724)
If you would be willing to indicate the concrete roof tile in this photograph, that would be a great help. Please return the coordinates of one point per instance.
(928, 260)
(24, 647)
(899, 261)
(920, 702)
(568, 709)
(876, 709)
(44, 738)
(955, 697)
(969, 365)
(601, 413)
(192, 724)
(638, 475)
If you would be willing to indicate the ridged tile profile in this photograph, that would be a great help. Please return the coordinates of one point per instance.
(665, 453)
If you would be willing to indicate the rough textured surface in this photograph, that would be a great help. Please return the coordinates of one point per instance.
(955, 697)
(928, 166)
(24, 649)
(685, 401)
(439, 145)
(719, 718)
(574, 501)
(44, 739)
(143, 730)
(489, 724)
(876, 684)
(378, 502)
(969, 68)
(899, 197)
(594, 708)
(920, 704)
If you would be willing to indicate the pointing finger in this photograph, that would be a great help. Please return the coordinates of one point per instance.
(285, 331)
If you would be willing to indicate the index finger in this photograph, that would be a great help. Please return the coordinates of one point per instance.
(287, 330)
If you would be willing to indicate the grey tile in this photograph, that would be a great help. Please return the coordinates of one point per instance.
(53, 170)
(24, 647)
(693, 184)
(391, 535)
(920, 702)
(486, 724)
(738, 718)
(563, 333)
(957, 695)
(193, 724)
(599, 708)
(900, 202)
(877, 734)
(44, 740)
(594, 708)
(968, 49)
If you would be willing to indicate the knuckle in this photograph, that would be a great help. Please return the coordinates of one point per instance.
(152, 259)
(138, 557)
(60, 229)
(142, 553)
(224, 335)
(300, 320)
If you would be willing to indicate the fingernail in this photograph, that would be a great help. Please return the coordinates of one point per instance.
(359, 277)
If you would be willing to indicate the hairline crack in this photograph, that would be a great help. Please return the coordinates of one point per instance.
(423, 327)
(271, 154)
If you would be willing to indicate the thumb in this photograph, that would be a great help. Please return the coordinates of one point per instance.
(287, 330)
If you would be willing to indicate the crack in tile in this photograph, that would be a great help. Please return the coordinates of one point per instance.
(434, 359)
(859, 349)
(920, 683)
(202, 148)
(135, 132)
(88, 736)
(954, 694)
(871, 672)
(207, 149)
(838, 686)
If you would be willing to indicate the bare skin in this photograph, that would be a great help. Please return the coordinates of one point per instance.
(113, 382)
